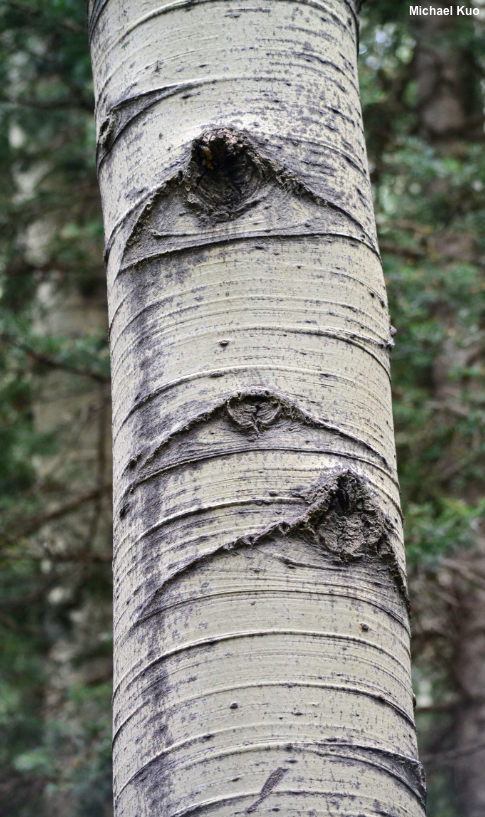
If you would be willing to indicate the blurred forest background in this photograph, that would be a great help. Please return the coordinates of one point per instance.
(423, 91)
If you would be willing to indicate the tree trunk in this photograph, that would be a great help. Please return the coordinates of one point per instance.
(261, 625)
(449, 94)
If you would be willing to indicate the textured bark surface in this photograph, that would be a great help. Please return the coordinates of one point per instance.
(447, 99)
(261, 627)
(446, 89)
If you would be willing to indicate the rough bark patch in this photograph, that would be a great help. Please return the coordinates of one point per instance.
(268, 787)
(341, 518)
(223, 174)
(255, 411)
(251, 411)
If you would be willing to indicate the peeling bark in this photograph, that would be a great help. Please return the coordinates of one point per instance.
(261, 624)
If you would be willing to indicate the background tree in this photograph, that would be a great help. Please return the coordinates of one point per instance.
(428, 196)
(55, 586)
(425, 123)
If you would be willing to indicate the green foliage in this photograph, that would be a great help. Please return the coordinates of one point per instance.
(55, 736)
(84, 737)
(431, 221)
(433, 529)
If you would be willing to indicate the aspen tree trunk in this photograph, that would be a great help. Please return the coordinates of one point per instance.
(261, 625)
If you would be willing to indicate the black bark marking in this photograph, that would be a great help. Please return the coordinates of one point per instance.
(349, 525)
(268, 787)
(223, 174)
(344, 519)
(107, 131)
(252, 411)
(123, 511)
(348, 530)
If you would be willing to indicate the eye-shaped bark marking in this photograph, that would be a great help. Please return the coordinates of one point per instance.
(253, 411)
(341, 519)
(223, 174)
(229, 182)
(250, 411)
(351, 526)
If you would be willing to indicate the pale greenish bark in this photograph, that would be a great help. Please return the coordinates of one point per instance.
(261, 627)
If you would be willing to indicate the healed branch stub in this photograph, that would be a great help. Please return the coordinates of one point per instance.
(261, 626)
(223, 174)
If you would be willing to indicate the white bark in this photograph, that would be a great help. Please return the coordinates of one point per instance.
(262, 638)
